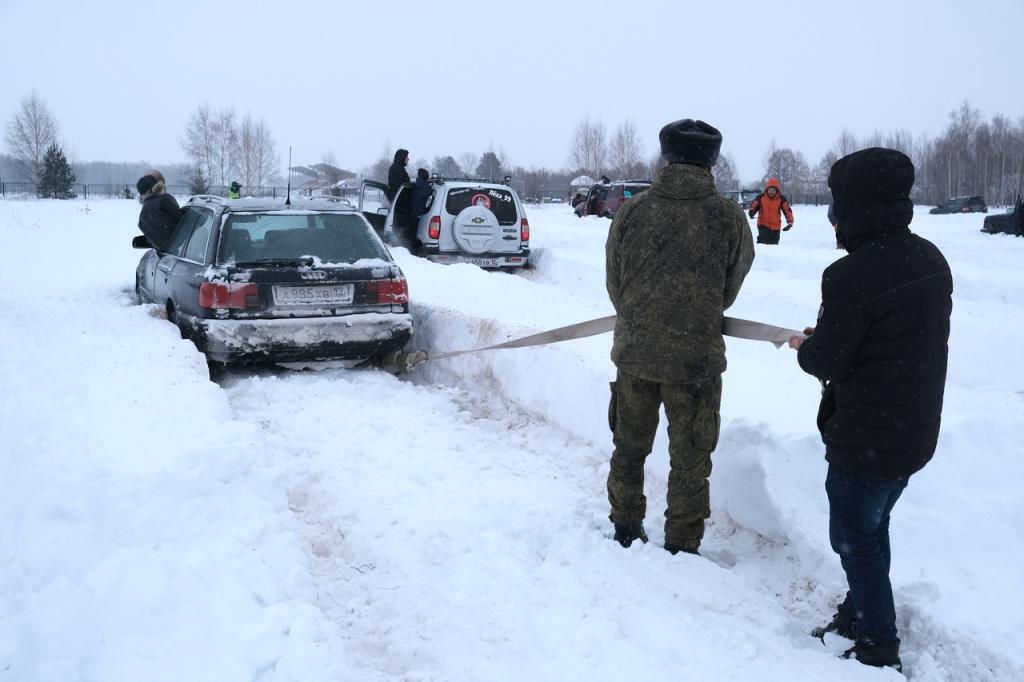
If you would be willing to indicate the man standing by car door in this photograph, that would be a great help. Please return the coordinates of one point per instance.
(767, 206)
(677, 255)
(397, 175)
(881, 343)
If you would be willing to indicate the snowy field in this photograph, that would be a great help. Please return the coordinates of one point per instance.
(451, 524)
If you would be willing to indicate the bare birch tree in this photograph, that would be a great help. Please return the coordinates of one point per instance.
(199, 141)
(626, 153)
(468, 161)
(225, 146)
(257, 156)
(589, 149)
(30, 133)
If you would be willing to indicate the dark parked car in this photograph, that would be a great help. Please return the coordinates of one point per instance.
(253, 279)
(605, 199)
(962, 205)
(743, 197)
(1011, 222)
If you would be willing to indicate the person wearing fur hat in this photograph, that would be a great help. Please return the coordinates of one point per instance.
(676, 257)
(767, 206)
(881, 345)
(160, 211)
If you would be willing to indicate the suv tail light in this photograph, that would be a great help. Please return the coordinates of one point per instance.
(387, 291)
(434, 229)
(524, 230)
(228, 295)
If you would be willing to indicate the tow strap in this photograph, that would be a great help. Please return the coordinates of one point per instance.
(731, 326)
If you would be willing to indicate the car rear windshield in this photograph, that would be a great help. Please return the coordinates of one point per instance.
(500, 202)
(331, 237)
(632, 190)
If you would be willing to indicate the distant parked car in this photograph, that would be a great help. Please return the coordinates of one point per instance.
(962, 205)
(1011, 222)
(743, 197)
(605, 199)
(467, 221)
(254, 279)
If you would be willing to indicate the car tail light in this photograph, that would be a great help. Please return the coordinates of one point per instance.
(228, 295)
(434, 229)
(524, 230)
(387, 291)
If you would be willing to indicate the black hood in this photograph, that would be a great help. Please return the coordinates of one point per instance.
(401, 155)
(871, 194)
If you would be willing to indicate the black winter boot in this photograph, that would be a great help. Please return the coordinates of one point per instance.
(676, 549)
(625, 533)
(877, 655)
(843, 624)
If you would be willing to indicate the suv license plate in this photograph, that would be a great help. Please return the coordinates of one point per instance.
(484, 262)
(337, 294)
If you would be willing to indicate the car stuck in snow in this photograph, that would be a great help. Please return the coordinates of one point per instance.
(265, 280)
(466, 221)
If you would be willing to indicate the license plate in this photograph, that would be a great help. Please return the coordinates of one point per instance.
(337, 294)
(484, 262)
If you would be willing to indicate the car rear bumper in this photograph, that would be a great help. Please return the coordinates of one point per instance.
(302, 339)
(516, 259)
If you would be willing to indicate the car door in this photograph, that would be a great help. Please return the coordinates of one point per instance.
(188, 270)
(175, 249)
(374, 204)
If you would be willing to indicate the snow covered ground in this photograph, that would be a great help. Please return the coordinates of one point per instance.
(451, 524)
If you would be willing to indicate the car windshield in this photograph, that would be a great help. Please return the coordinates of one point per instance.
(500, 202)
(331, 237)
(632, 190)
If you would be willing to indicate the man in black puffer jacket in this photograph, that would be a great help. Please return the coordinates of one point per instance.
(881, 344)
(160, 211)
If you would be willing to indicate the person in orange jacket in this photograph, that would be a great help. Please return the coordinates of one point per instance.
(767, 206)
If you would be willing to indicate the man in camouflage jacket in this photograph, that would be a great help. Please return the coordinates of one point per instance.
(676, 258)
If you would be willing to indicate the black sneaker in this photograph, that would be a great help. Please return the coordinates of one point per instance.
(625, 533)
(676, 549)
(843, 624)
(877, 655)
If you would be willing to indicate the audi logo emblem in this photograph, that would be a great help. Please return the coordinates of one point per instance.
(313, 274)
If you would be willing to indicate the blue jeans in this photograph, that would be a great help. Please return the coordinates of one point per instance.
(859, 508)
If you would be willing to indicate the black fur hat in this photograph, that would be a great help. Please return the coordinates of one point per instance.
(145, 184)
(692, 142)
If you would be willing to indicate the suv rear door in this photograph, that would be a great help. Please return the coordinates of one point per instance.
(483, 220)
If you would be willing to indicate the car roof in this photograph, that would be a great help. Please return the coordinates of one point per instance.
(262, 204)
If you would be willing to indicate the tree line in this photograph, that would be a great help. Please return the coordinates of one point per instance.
(973, 155)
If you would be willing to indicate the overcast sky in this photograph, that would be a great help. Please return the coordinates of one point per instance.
(450, 76)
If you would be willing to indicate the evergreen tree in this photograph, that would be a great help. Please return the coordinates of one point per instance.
(197, 183)
(57, 177)
(489, 167)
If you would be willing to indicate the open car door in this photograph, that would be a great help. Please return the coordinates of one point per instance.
(374, 204)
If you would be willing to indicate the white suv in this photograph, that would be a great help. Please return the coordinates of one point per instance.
(467, 221)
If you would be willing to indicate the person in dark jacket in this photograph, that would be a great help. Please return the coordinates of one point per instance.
(160, 211)
(421, 196)
(235, 190)
(397, 175)
(676, 256)
(767, 206)
(881, 345)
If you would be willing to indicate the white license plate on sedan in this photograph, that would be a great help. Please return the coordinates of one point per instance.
(321, 294)
(484, 262)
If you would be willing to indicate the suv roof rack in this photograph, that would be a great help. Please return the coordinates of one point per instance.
(437, 179)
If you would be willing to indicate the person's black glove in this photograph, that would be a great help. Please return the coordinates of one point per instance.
(786, 228)
(751, 214)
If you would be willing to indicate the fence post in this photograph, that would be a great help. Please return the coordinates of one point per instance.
(85, 191)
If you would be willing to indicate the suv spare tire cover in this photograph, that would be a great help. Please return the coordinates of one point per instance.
(476, 230)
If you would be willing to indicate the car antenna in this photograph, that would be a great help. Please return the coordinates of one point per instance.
(288, 198)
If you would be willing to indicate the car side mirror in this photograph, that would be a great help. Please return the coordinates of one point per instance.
(141, 242)
(383, 210)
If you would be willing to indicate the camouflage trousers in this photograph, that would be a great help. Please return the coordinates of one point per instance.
(693, 426)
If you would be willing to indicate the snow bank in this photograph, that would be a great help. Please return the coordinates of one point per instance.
(143, 536)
